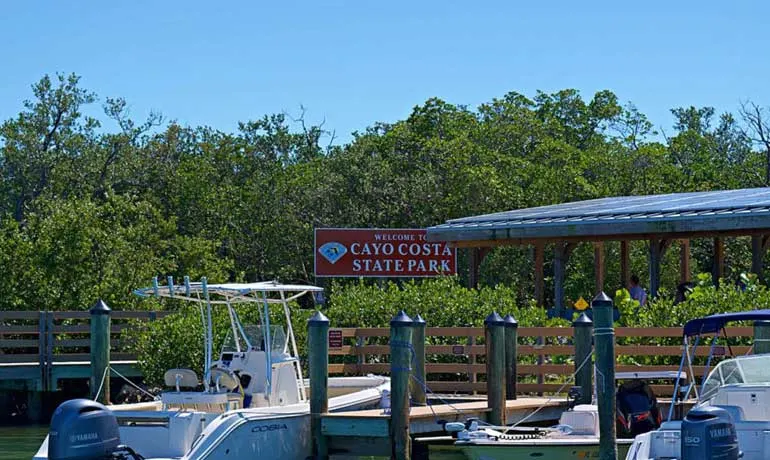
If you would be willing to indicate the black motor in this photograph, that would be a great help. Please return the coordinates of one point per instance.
(85, 430)
(709, 433)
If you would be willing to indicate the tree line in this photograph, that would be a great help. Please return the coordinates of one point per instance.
(95, 206)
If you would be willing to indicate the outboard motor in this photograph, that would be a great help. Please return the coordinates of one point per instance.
(637, 408)
(82, 429)
(708, 433)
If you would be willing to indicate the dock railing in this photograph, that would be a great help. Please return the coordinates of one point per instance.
(45, 339)
(455, 356)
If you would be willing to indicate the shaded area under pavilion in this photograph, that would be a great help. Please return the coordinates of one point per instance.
(657, 219)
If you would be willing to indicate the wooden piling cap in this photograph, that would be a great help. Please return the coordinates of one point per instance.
(582, 321)
(494, 319)
(601, 297)
(100, 308)
(418, 321)
(401, 319)
(510, 321)
(318, 319)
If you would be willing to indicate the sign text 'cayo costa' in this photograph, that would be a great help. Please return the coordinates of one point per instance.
(381, 253)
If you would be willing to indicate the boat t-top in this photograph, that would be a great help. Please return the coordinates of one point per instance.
(252, 401)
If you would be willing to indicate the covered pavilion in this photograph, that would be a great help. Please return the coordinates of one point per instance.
(658, 219)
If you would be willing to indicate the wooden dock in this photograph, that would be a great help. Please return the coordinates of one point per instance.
(367, 432)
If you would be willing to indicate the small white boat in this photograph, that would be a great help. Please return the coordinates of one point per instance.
(254, 399)
(732, 413)
(577, 434)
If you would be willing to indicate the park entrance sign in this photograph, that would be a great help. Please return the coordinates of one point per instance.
(394, 253)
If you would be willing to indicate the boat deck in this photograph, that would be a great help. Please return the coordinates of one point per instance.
(368, 430)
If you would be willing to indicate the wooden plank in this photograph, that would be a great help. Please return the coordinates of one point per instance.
(86, 357)
(86, 329)
(19, 343)
(539, 276)
(598, 267)
(625, 264)
(718, 262)
(71, 315)
(141, 315)
(684, 261)
(370, 426)
(18, 329)
(19, 315)
(20, 358)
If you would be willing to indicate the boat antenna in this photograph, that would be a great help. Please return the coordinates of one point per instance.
(268, 346)
(233, 325)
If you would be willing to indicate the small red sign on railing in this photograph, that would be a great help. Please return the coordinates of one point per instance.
(335, 338)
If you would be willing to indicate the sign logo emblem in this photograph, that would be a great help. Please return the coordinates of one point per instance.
(333, 251)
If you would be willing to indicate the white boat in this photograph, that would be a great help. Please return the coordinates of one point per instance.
(253, 399)
(576, 436)
(740, 385)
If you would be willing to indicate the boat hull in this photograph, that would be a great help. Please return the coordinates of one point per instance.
(538, 449)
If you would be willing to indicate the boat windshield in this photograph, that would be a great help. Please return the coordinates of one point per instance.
(743, 369)
(256, 337)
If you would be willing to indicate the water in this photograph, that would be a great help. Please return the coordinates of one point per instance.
(20, 442)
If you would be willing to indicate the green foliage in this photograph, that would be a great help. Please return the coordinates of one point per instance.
(94, 207)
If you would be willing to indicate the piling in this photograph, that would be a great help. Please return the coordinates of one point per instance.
(100, 352)
(318, 361)
(604, 337)
(494, 333)
(583, 334)
(511, 355)
(417, 382)
(761, 337)
(401, 327)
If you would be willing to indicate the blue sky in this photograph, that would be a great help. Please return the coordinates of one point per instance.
(355, 63)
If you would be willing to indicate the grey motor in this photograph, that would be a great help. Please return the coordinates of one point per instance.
(82, 429)
(709, 433)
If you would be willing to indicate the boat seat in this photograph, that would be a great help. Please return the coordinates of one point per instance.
(181, 378)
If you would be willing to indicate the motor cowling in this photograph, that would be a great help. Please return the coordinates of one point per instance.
(708, 433)
(84, 430)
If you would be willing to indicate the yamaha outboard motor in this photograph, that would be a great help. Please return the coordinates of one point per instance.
(82, 429)
(637, 408)
(708, 433)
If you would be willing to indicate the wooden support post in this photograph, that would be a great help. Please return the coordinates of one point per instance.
(599, 266)
(475, 257)
(561, 254)
(100, 352)
(400, 365)
(758, 250)
(625, 264)
(761, 337)
(657, 250)
(539, 250)
(718, 266)
(604, 336)
(583, 333)
(417, 383)
(511, 355)
(494, 333)
(318, 362)
(684, 261)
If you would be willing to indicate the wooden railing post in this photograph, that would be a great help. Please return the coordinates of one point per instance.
(761, 337)
(604, 333)
(511, 356)
(494, 333)
(401, 327)
(100, 352)
(583, 337)
(318, 361)
(417, 383)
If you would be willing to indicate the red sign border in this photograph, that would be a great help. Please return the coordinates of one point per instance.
(315, 254)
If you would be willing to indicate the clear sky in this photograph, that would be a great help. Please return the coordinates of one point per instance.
(357, 62)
